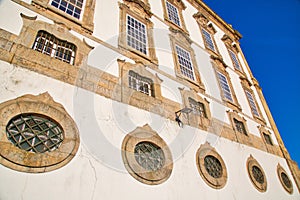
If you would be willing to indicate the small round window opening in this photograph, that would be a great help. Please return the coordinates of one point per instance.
(149, 156)
(256, 174)
(31, 139)
(34, 133)
(213, 166)
(284, 179)
(146, 156)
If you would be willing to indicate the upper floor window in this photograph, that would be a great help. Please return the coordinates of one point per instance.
(224, 86)
(140, 83)
(239, 126)
(252, 103)
(197, 107)
(136, 34)
(173, 14)
(185, 62)
(268, 139)
(48, 44)
(235, 60)
(208, 40)
(71, 7)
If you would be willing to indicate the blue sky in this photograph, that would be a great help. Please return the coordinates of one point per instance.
(271, 44)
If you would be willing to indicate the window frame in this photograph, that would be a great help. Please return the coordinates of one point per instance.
(141, 13)
(281, 170)
(138, 80)
(21, 160)
(67, 4)
(149, 177)
(140, 69)
(206, 26)
(180, 6)
(252, 162)
(247, 88)
(207, 150)
(220, 67)
(53, 45)
(235, 60)
(194, 119)
(85, 21)
(181, 40)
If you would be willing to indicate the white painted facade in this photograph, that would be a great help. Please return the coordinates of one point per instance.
(97, 171)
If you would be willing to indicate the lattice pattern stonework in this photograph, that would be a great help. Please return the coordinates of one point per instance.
(34, 133)
(149, 156)
(213, 166)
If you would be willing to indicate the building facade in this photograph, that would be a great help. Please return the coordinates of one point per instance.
(132, 99)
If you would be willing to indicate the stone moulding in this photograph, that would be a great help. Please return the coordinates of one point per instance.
(18, 159)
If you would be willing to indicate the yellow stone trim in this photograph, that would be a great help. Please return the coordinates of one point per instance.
(146, 134)
(207, 150)
(252, 162)
(136, 11)
(24, 161)
(180, 7)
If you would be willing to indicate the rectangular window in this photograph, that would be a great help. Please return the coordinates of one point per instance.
(208, 40)
(136, 35)
(268, 139)
(197, 107)
(140, 83)
(48, 44)
(239, 126)
(173, 14)
(71, 7)
(225, 87)
(185, 63)
(252, 103)
(235, 60)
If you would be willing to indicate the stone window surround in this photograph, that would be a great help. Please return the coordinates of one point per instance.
(242, 138)
(247, 86)
(31, 27)
(251, 162)
(196, 120)
(281, 170)
(86, 20)
(140, 11)
(179, 38)
(180, 7)
(146, 134)
(24, 161)
(264, 130)
(232, 46)
(203, 151)
(139, 68)
(220, 66)
(205, 24)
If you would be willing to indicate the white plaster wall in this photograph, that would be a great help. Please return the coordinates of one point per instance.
(97, 171)
(106, 21)
(11, 20)
(192, 25)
